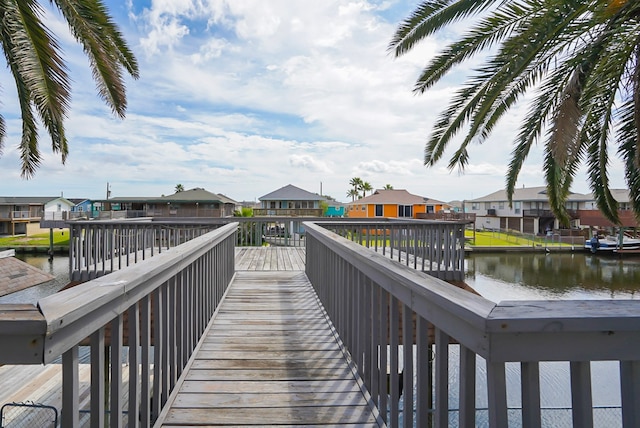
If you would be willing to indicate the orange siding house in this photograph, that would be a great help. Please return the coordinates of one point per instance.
(393, 204)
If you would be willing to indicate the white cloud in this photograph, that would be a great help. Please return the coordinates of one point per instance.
(244, 96)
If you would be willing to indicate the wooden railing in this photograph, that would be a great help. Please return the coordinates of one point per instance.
(98, 247)
(158, 307)
(288, 212)
(377, 305)
(435, 247)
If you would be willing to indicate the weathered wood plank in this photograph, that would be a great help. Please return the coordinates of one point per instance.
(271, 416)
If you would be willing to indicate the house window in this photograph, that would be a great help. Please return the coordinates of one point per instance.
(364, 207)
(474, 206)
(378, 210)
(516, 207)
(272, 205)
(430, 209)
(405, 210)
(501, 205)
(487, 205)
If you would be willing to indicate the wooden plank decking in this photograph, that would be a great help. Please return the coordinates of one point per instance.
(270, 356)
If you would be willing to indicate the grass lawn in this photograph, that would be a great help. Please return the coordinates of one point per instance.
(60, 237)
(499, 239)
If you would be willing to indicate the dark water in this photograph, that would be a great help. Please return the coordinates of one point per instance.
(553, 276)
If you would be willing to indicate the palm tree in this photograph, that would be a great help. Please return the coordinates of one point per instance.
(35, 60)
(583, 59)
(388, 187)
(353, 194)
(356, 182)
(366, 187)
(179, 188)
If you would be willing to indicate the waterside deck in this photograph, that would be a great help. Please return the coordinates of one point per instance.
(269, 356)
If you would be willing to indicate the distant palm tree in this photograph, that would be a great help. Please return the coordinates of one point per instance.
(34, 58)
(582, 57)
(356, 182)
(366, 187)
(388, 187)
(179, 188)
(353, 194)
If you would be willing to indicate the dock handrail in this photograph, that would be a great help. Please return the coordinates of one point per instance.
(163, 304)
(377, 304)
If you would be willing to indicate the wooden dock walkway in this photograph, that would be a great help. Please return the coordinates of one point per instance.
(269, 357)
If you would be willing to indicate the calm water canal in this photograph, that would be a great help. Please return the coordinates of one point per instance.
(497, 277)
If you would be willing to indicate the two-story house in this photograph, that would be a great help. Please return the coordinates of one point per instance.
(393, 203)
(290, 201)
(529, 212)
(21, 215)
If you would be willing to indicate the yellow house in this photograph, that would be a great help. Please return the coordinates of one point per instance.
(393, 204)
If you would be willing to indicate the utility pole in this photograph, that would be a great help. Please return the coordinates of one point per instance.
(108, 190)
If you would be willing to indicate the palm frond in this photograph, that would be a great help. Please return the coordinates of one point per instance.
(40, 76)
(430, 16)
(105, 47)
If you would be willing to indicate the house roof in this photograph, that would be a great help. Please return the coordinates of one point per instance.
(394, 196)
(538, 193)
(227, 200)
(26, 200)
(187, 196)
(291, 193)
(193, 195)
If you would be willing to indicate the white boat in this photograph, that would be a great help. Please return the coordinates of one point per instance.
(611, 244)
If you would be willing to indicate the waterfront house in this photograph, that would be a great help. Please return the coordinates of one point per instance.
(393, 203)
(290, 201)
(196, 202)
(21, 215)
(530, 211)
(335, 209)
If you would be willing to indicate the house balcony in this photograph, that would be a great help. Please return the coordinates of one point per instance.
(288, 212)
(448, 216)
(573, 214)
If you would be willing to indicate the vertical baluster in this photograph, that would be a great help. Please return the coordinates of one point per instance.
(145, 342)
(164, 349)
(383, 340)
(394, 332)
(115, 408)
(171, 333)
(375, 341)
(407, 348)
(97, 378)
(134, 365)
(157, 352)
(368, 330)
(467, 388)
(70, 413)
(530, 381)
(180, 348)
(630, 386)
(497, 394)
(581, 403)
(423, 373)
(442, 379)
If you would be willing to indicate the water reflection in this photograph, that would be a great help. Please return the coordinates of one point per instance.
(559, 275)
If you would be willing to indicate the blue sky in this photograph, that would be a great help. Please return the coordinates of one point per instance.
(244, 97)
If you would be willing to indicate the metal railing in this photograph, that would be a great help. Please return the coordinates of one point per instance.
(379, 307)
(158, 307)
